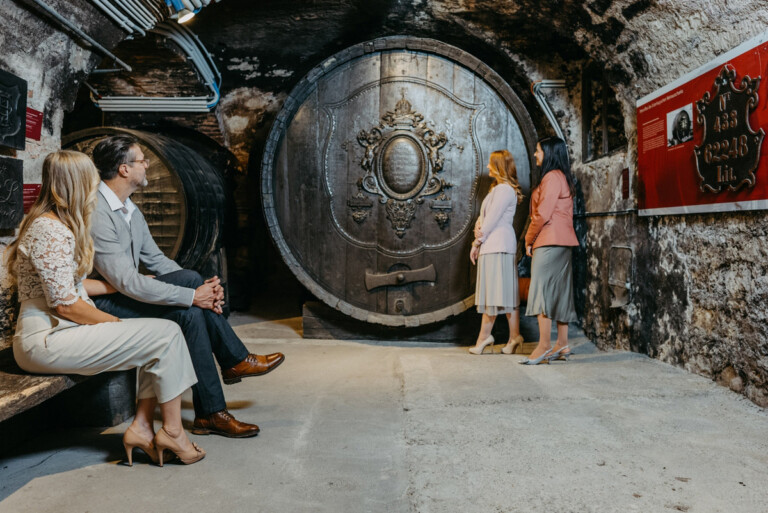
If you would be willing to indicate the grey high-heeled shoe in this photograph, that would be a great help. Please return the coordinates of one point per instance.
(560, 355)
(541, 359)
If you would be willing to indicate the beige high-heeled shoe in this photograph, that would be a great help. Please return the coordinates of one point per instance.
(132, 439)
(163, 441)
(479, 349)
(512, 345)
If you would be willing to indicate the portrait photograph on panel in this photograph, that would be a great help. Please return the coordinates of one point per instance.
(679, 126)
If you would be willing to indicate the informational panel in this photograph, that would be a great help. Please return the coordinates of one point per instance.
(700, 139)
(30, 193)
(13, 110)
(34, 124)
(11, 195)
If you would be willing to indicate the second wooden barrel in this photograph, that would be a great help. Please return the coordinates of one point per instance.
(184, 199)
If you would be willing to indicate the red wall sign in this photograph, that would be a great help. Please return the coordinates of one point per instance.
(34, 124)
(30, 192)
(700, 144)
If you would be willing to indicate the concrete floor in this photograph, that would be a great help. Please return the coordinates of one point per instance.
(360, 427)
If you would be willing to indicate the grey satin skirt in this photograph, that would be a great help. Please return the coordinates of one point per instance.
(496, 291)
(551, 290)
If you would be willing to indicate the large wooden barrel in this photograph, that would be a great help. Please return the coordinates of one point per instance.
(184, 199)
(374, 171)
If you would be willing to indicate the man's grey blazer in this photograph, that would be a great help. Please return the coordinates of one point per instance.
(118, 250)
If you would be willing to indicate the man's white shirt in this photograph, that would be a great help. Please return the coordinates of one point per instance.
(126, 209)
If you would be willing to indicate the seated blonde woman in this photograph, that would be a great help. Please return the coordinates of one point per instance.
(59, 330)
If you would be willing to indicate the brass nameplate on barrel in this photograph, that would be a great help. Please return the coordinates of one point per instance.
(402, 169)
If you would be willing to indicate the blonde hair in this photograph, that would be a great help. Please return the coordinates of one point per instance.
(502, 162)
(70, 182)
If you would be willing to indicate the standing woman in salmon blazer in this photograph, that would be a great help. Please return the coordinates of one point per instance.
(549, 241)
(494, 250)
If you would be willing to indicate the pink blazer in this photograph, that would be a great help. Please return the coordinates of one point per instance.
(551, 213)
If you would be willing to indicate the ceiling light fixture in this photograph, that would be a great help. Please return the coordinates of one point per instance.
(185, 15)
(179, 11)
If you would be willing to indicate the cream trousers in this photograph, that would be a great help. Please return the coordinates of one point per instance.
(155, 346)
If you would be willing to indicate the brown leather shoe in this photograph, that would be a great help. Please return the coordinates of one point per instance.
(224, 424)
(253, 365)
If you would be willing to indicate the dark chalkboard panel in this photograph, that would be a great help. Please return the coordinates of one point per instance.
(13, 110)
(11, 193)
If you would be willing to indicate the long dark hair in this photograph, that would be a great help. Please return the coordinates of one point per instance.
(556, 157)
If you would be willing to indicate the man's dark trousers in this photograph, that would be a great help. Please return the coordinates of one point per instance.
(206, 332)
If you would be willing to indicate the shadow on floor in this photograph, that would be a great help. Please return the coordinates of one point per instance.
(82, 447)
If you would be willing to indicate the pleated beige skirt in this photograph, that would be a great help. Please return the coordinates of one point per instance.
(496, 291)
(551, 290)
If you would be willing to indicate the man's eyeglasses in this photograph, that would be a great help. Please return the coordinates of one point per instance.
(143, 161)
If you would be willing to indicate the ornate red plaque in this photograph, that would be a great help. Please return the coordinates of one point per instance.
(700, 138)
(730, 149)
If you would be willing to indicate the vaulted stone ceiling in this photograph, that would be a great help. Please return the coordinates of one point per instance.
(270, 44)
(262, 49)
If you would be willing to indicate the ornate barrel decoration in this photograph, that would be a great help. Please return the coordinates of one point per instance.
(184, 199)
(374, 172)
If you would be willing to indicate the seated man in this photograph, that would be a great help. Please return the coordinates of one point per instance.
(121, 241)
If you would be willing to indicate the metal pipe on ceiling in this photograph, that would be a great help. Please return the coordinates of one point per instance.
(71, 26)
(150, 6)
(536, 88)
(200, 59)
(116, 16)
(144, 12)
(140, 18)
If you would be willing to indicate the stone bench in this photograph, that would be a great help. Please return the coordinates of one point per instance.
(20, 391)
(103, 400)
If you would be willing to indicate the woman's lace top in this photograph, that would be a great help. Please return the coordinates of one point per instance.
(46, 263)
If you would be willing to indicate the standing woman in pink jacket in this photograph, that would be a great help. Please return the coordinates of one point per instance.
(549, 241)
(494, 249)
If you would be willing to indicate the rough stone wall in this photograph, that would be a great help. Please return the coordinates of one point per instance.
(698, 283)
(53, 65)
